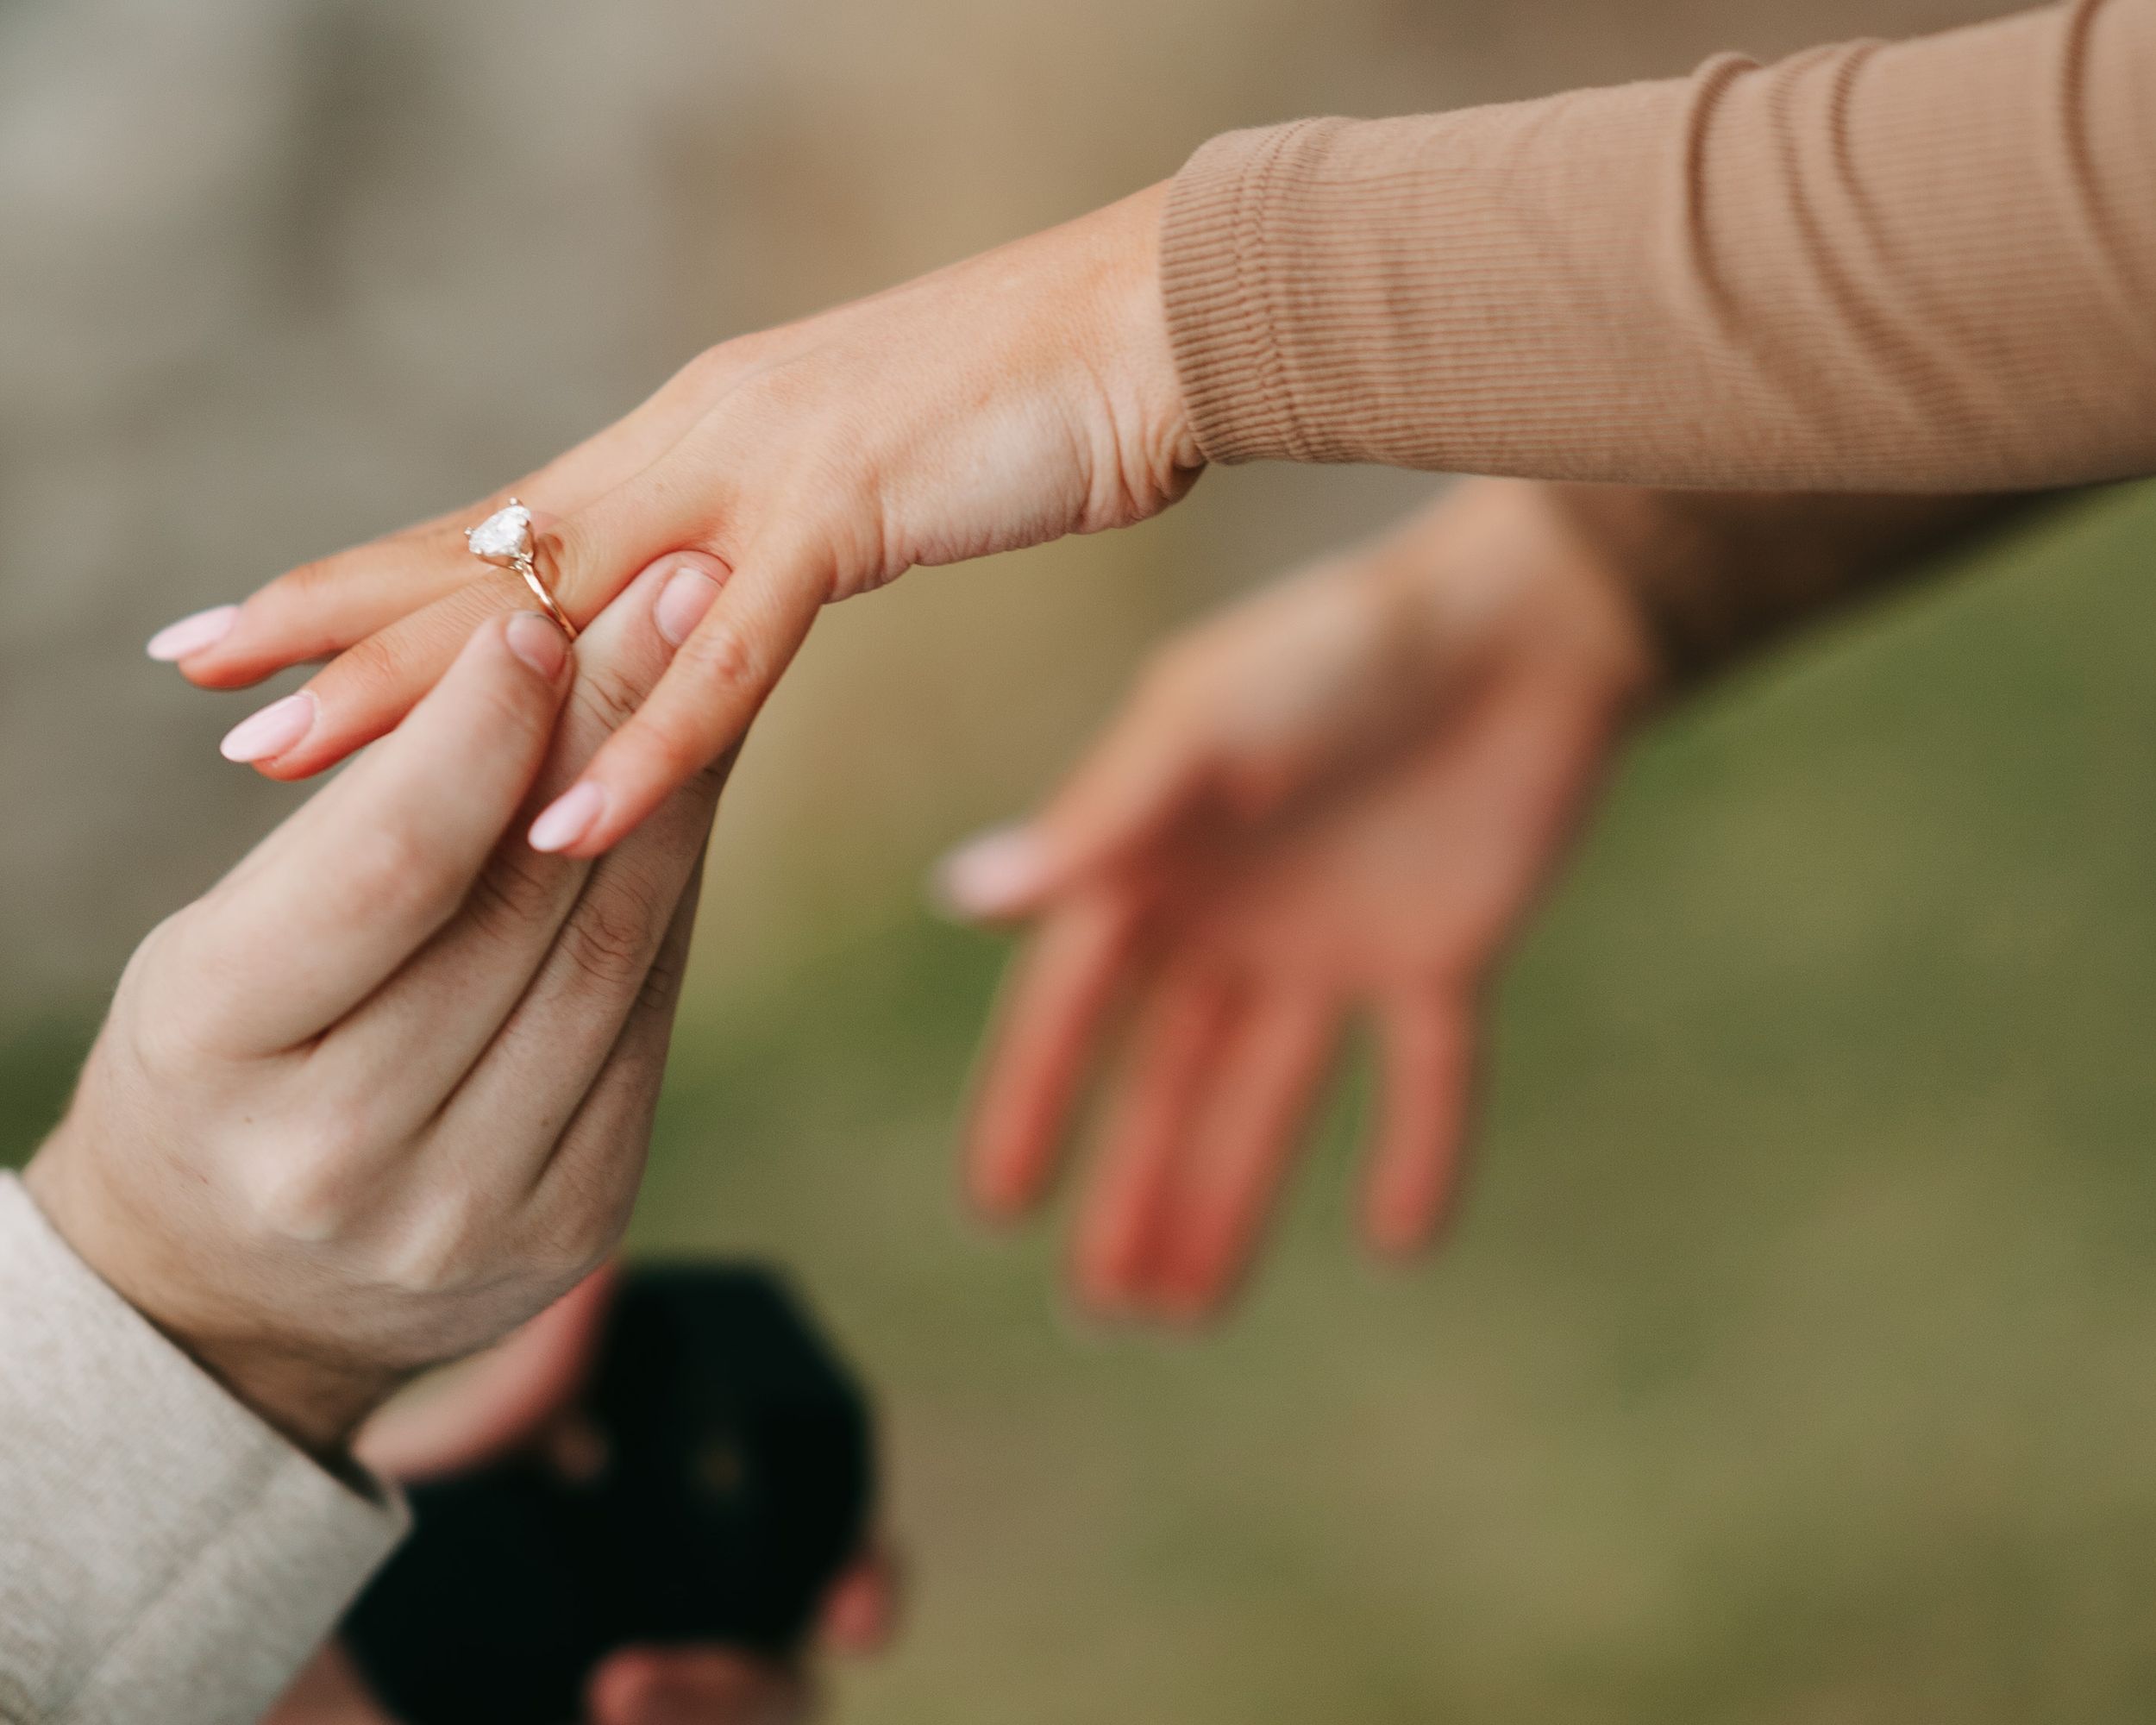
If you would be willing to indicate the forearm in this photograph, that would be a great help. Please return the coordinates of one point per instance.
(1716, 574)
(1913, 268)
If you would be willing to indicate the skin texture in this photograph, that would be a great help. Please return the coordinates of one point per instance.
(1339, 797)
(1007, 400)
(384, 1092)
(522, 1395)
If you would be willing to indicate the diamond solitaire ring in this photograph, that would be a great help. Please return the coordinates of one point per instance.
(505, 540)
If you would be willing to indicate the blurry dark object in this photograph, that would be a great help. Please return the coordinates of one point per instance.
(730, 1477)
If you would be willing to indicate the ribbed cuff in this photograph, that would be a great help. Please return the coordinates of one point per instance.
(1458, 292)
(1216, 274)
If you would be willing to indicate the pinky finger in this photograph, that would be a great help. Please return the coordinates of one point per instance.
(701, 708)
(1428, 1044)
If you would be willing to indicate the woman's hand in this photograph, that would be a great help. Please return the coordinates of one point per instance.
(1025, 394)
(1342, 796)
(384, 1092)
(522, 1396)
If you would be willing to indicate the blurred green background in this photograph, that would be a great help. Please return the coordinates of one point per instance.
(1790, 1361)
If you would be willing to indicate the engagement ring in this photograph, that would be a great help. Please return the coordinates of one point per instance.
(505, 540)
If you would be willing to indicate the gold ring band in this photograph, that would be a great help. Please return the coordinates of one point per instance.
(506, 540)
(548, 602)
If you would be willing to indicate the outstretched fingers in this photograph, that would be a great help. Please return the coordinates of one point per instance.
(1172, 1055)
(1148, 774)
(1059, 993)
(317, 610)
(1267, 1075)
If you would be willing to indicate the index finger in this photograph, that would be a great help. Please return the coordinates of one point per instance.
(702, 707)
(336, 900)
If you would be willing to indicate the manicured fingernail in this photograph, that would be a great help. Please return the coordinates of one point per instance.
(192, 634)
(989, 875)
(537, 642)
(683, 604)
(567, 818)
(270, 731)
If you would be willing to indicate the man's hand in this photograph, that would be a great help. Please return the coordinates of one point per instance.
(384, 1092)
(1007, 400)
(523, 1396)
(1341, 797)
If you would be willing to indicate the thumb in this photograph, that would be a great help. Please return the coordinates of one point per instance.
(498, 1400)
(1131, 793)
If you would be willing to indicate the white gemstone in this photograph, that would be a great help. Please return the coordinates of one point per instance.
(504, 536)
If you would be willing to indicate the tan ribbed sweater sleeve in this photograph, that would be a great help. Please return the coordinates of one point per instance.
(164, 1557)
(1922, 266)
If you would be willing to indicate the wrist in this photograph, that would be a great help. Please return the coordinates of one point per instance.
(1504, 560)
(1153, 431)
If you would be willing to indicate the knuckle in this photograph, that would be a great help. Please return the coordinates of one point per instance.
(662, 747)
(511, 709)
(723, 655)
(662, 985)
(605, 695)
(372, 668)
(513, 892)
(293, 595)
(390, 872)
(309, 1195)
(172, 1003)
(436, 1252)
(608, 940)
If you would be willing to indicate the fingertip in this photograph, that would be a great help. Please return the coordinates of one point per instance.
(1192, 1283)
(191, 635)
(995, 875)
(685, 600)
(262, 738)
(1105, 1274)
(565, 825)
(1399, 1230)
(1006, 1172)
(1000, 1200)
(537, 644)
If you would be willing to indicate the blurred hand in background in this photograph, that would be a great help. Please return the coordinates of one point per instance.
(524, 1396)
(1339, 797)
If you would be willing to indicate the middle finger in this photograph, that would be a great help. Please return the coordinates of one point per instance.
(432, 1022)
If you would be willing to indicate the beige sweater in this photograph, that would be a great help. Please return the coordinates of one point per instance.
(1926, 267)
(164, 1555)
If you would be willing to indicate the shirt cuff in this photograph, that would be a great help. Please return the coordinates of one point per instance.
(167, 1555)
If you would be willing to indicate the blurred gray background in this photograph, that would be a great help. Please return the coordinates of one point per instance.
(1791, 1363)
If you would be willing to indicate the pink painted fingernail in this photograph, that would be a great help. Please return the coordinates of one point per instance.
(683, 604)
(270, 731)
(987, 875)
(534, 640)
(192, 634)
(569, 817)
